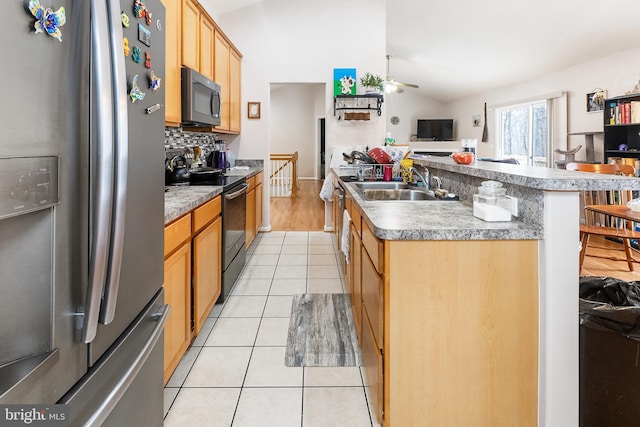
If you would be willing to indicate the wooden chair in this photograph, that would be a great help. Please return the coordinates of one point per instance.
(602, 210)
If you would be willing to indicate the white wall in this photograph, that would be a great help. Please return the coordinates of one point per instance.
(292, 123)
(616, 74)
(409, 106)
(303, 42)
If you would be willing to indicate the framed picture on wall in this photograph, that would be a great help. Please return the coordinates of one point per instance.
(595, 100)
(253, 110)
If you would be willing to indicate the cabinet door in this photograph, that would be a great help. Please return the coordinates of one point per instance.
(207, 252)
(177, 293)
(258, 219)
(372, 298)
(206, 46)
(190, 34)
(173, 61)
(251, 217)
(235, 63)
(372, 362)
(221, 67)
(355, 255)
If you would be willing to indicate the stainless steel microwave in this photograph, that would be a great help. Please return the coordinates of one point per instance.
(200, 100)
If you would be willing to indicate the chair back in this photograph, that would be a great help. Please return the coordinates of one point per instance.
(612, 197)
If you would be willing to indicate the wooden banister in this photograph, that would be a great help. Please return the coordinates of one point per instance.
(289, 161)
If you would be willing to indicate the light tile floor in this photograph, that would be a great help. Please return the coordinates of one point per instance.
(234, 374)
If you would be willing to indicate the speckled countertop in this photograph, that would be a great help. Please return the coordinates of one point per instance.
(180, 199)
(533, 177)
(454, 220)
(435, 220)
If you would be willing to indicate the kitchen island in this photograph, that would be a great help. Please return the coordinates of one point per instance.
(466, 322)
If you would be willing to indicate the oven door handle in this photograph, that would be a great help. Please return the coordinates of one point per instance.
(238, 193)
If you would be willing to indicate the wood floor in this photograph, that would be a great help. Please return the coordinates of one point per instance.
(304, 212)
(600, 265)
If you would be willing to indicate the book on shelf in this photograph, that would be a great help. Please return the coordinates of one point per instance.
(624, 112)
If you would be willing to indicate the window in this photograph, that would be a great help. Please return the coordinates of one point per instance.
(523, 132)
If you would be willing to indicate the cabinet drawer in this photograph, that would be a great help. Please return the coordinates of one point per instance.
(356, 218)
(374, 247)
(252, 183)
(372, 362)
(177, 233)
(373, 299)
(206, 213)
(259, 178)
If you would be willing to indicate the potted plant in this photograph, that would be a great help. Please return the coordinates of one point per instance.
(372, 83)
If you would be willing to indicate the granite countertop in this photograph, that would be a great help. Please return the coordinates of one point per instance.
(435, 220)
(181, 199)
(454, 220)
(533, 177)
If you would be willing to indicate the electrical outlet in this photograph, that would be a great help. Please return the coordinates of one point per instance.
(514, 205)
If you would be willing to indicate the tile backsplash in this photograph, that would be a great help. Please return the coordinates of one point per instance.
(176, 138)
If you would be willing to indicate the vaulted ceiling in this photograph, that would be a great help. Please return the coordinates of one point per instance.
(457, 48)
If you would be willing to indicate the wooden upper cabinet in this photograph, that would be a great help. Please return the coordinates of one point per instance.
(206, 46)
(173, 62)
(221, 53)
(191, 34)
(235, 108)
(206, 49)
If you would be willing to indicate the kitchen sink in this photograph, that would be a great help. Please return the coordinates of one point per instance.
(398, 194)
(381, 185)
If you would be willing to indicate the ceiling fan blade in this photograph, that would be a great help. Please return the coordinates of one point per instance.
(396, 84)
(407, 85)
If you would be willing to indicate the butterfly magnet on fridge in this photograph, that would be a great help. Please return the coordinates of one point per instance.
(48, 21)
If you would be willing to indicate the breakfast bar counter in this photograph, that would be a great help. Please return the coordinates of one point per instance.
(467, 322)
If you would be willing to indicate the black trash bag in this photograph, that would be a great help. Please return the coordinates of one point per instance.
(609, 304)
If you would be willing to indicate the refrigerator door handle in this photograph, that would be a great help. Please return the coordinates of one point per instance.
(110, 402)
(121, 162)
(103, 192)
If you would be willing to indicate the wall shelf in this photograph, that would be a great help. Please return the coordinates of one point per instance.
(358, 102)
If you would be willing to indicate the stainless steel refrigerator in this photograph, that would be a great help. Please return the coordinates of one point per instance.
(81, 208)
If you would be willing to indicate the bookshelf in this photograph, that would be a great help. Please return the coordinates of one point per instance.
(622, 127)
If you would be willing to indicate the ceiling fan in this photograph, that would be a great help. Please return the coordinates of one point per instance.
(392, 85)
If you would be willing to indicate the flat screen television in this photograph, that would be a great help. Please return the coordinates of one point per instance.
(436, 129)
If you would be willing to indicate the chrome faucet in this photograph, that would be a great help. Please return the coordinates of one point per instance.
(437, 181)
(426, 183)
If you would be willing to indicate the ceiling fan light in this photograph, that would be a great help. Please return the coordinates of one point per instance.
(390, 87)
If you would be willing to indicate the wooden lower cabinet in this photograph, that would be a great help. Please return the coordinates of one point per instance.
(251, 217)
(207, 279)
(355, 285)
(259, 189)
(445, 322)
(177, 293)
(372, 364)
(193, 255)
(461, 333)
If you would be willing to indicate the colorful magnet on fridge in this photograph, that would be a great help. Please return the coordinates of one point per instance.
(127, 49)
(144, 35)
(155, 82)
(136, 93)
(136, 54)
(125, 19)
(147, 17)
(139, 8)
(48, 21)
(147, 59)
